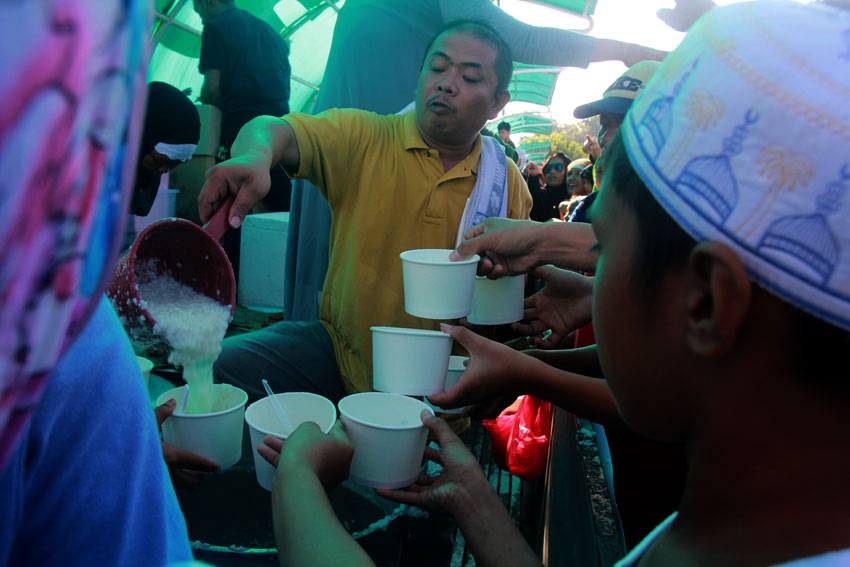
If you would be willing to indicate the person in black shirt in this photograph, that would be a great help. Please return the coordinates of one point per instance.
(245, 64)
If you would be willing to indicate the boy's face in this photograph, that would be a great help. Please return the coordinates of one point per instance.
(637, 331)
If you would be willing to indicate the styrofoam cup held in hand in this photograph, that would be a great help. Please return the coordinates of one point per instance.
(216, 435)
(434, 286)
(496, 302)
(145, 365)
(388, 437)
(262, 420)
(412, 362)
(456, 370)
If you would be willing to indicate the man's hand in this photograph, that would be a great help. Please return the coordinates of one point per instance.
(459, 483)
(591, 146)
(562, 306)
(186, 469)
(685, 13)
(507, 247)
(327, 456)
(246, 177)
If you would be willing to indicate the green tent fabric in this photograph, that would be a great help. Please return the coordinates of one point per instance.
(308, 27)
(177, 43)
(534, 84)
(536, 151)
(526, 122)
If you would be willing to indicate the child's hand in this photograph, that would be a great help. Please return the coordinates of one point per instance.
(489, 383)
(185, 468)
(457, 486)
(326, 456)
(507, 247)
(562, 306)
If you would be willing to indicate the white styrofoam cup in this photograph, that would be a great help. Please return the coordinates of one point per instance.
(434, 286)
(388, 437)
(262, 420)
(496, 302)
(412, 362)
(456, 370)
(216, 435)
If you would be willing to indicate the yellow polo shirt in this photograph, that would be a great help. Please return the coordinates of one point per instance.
(388, 193)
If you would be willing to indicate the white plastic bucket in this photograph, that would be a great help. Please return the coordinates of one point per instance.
(388, 437)
(262, 420)
(434, 286)
(412, 362)
(216, 435)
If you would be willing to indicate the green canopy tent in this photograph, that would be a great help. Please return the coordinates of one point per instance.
(536, 151)
(307, 25)
(525, 122)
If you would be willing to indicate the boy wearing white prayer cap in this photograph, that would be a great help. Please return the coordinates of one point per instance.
(721, 300)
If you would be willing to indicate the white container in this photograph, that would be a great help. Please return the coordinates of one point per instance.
(412, 362)
(456, 370)
(145, 366)
(163, 207)
(434, 286)
(262, 258)
(496, 302)
(210, 138)
(388, 437)
(299, 407)
(216, 435)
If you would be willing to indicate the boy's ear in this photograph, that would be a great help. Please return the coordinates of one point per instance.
(718, 298)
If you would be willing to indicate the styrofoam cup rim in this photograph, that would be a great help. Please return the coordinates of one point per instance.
(406, 256)
(361, 421)
(277, 433)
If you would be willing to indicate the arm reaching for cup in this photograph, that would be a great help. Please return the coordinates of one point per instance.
(261, 143)
(462, 491)
(309, 463)
(562, 306)
(186, 468)
(511, 247)
(496, 374)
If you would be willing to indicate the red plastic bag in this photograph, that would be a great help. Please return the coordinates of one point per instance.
(521, 437)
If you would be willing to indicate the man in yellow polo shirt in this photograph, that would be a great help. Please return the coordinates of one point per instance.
(393, 183)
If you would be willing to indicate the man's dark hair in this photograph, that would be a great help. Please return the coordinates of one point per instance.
(504, 125)
(662, 245)
(484, 32)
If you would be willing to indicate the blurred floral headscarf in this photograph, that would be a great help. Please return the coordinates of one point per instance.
(73, 89)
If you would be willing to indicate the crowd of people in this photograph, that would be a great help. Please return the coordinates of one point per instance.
(712, 258)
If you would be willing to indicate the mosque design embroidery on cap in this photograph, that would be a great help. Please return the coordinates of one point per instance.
(655, 126)
(712, 178)
(804, 244)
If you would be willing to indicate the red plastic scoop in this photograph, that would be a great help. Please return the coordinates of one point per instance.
(190, 253)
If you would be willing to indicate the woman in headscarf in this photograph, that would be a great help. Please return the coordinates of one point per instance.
(82, 478)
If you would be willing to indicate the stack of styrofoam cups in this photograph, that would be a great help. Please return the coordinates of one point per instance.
(385, 427)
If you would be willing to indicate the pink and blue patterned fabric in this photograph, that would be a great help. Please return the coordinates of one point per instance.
(72, 88)
(743, 136)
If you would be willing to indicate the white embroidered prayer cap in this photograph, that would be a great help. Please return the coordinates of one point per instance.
(743, 136)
